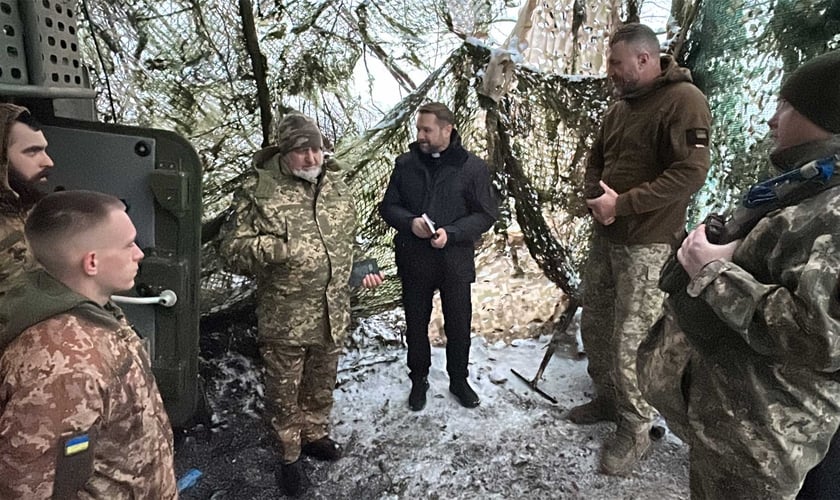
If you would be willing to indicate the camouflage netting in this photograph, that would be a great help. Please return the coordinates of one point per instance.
(216, 71)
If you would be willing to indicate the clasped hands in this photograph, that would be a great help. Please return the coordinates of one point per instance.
(602, 208)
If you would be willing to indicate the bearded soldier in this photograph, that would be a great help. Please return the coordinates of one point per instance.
(24, 165)
(293, 231)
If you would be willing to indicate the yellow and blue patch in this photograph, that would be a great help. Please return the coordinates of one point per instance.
(76, 445)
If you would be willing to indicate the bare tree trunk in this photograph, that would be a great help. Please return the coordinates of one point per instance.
(252, 46)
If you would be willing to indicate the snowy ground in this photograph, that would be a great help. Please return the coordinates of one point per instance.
(516, 444)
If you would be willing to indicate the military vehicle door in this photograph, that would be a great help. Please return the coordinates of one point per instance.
(157, 174)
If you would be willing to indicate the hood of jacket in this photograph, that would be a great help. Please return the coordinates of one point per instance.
(671, 73)
(269, 165)
(9, 114)
(797, 156)
(37, 297)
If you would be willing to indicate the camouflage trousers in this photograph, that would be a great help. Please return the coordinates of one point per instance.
(299, 384)
(621, 300)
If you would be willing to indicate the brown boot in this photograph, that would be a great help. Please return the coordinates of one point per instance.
(597, 410)
(624, 449)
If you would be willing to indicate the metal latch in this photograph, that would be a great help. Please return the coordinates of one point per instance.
(167, 298)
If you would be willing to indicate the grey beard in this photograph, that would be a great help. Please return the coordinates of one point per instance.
(308, 174)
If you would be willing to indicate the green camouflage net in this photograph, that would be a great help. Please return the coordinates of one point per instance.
(739, 52)
(182, 65)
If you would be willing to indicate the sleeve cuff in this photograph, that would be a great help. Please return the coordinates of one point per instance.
(622, 205)
(706, 276)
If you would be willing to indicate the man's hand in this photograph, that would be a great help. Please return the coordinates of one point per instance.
(439, 241)
(420, 229)
(373, 280)
(603, 207)
(696, 251)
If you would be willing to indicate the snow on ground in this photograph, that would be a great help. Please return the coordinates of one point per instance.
(516, 444)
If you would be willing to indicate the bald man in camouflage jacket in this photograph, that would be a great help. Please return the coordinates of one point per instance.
(80, 413)
(293, 231)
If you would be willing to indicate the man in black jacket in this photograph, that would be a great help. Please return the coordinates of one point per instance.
(440, 200)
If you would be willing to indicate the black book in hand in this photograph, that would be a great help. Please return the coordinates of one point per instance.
(362, 269)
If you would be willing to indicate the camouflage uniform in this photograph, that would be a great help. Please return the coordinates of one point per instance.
(15, 257)
(71, 369)
(622, 301)
(759, 399)
(296, 239)
(652, 150)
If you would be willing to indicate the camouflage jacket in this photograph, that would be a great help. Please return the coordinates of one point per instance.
(296, 239)
(15, 257)
(80, 412)
(766, 386)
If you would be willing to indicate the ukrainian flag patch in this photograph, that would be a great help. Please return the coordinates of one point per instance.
(76, 445)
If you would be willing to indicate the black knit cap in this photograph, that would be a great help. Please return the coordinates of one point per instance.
(814, 90)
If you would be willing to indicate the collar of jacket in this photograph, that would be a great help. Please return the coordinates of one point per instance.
(671, 73)
(38, 296)
(796, 156)
(454, 154)
(270, 169)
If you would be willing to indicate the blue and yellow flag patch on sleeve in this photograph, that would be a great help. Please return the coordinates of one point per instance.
(76, 445)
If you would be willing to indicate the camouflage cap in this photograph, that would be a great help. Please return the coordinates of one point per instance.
(296, 131)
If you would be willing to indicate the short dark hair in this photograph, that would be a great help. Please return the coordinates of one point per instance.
(636, 34)
(59, 216)
(441, 112)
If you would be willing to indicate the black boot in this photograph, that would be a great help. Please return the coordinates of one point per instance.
(417, 397)
(464, 393)
(291, 479)
(323, 449)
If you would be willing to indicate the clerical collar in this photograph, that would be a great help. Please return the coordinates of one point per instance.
(435, 155)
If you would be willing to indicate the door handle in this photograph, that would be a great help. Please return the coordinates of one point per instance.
(167, 298)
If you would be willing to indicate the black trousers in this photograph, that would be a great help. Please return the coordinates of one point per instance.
(417, 292)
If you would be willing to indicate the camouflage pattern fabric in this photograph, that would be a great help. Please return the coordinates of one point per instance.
(71, 376)
(662, 363)
(299, 384)
(620, 302)
(15, 257)
(296, 239)
(762, 396)
(296, 130)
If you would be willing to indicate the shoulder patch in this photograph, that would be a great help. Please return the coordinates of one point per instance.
(76, 444)
(697, 137)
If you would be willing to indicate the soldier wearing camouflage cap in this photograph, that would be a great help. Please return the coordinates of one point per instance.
(24, 165)
(751, 347)
(293, 232)
(80, 413)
